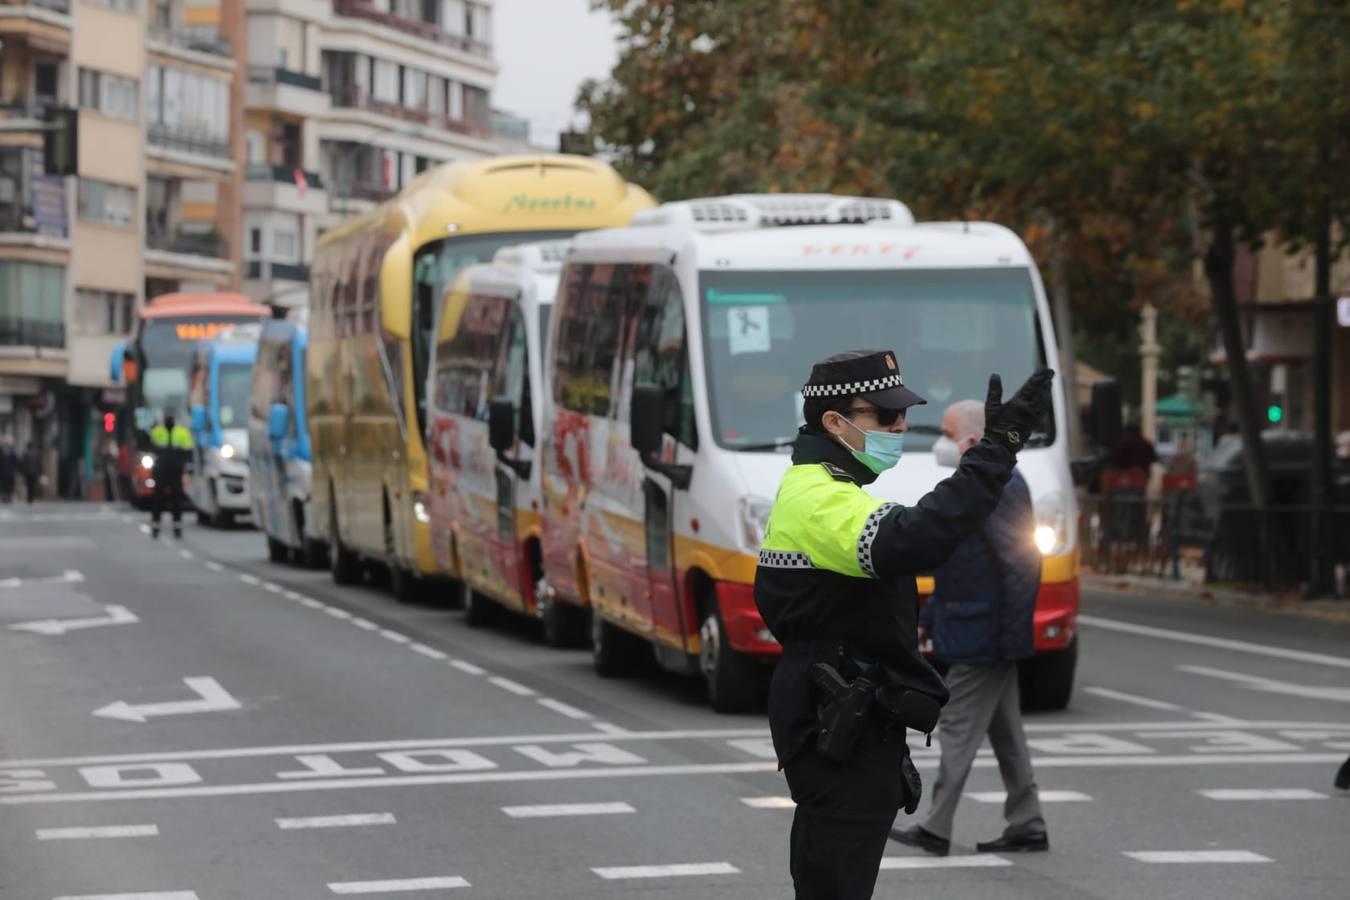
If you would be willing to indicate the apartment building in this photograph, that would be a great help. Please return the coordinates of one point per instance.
(346, 101)
(156, 207)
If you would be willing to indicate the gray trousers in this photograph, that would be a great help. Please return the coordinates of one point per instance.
(984, 700)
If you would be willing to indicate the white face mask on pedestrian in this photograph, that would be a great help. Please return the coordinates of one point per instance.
(947, 452)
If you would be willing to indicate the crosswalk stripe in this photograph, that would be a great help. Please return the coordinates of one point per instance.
(1262, 794)
(567, 809)
(106, 831)
(983, 861)
(678, 870)
(1045, 796)
(1197, 856)
(769, 802)
(392, 885)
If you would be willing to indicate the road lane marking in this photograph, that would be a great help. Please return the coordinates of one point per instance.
(337, 613)
(1197, 856)
(1045, 796)
(186, 554)
(397, 885)
(78, 833)
(365, 624)
(272, 587)
(348, 821)
(559, 707)
(514, 687)
(468, 667)
(550, 810)
(610, 728)
(1262, 794)
(677, 870)
(249, 579)
(311, 603)
(211, 698)
(155, 895)
(116, 615)
(394, 636)
(214, 566)
(428, 652)
(769, 802)
(982, 861)
(69, 576)
(1272, 685)
(1204, 640)
(1135, 699)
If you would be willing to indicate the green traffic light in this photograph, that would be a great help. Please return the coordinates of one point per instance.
(1274, 413)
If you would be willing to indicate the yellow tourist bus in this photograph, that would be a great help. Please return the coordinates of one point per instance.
(376, 284)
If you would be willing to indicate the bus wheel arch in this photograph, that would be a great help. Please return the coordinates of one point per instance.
(342, 563)
(563, 624)
(734, 681)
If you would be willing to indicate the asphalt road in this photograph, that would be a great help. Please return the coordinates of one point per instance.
(186, 720)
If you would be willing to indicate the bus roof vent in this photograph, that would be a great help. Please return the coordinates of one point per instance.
(541, 255)
(739, 212)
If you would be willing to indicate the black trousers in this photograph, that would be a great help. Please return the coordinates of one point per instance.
(167, 490)
(844, 816)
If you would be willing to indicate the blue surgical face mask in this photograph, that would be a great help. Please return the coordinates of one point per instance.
(881, 449)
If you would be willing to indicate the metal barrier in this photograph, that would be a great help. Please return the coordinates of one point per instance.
(1125, 532)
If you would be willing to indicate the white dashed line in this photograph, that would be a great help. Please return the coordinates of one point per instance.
(610, 728)
(311, 603)
(514, 687)
(429, 652)
(679, 870)
(1197, 856)
(186, 554)
(349, 821)
(156, 895)
(567, 809)
(1205, 640)
(565, 709)
(982, 861)
(107, 831)
(273, 587)
(364, 623)
(214, 566)
(337, 613)
(397, 884)
(249, 579)
(1260, 794)
(1045, 796)
(769, 802)
(394, 636)
(468, 667)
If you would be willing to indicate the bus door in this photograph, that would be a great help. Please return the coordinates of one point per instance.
(511, 381)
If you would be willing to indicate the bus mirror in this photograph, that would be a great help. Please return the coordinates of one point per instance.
(1105, 413)
(198, 418)
(501, 425)
(278, 420)
(116, 361)
(648, 420)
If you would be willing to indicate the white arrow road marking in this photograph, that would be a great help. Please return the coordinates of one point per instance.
(396, 884)
(214, 698)
(1272, 686)
(69, 576)
(117, 615)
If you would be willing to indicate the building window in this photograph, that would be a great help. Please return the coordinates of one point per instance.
(104, 312)
(106, 203)
(46, 82)
(112, 95)
(384, 81)
(255, 241)
(32, 304)
(285, 238)
(188, 111)
(119, 5)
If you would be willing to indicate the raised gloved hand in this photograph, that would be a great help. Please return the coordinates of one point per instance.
(1009, 424)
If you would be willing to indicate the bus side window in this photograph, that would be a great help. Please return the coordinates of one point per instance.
(569, 356)
(511, 375)
(662, 357)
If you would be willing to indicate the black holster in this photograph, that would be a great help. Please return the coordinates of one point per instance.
(842, 715)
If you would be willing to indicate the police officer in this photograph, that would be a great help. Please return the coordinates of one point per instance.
(835, 585)
(172, 444)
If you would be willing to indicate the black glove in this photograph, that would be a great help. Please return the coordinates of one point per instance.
(1009, 424)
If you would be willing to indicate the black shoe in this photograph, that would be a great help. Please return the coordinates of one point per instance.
(1343, 776)
(920, 837)
(1037, 842)
(178, 534)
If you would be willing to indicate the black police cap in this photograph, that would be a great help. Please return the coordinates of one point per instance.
(873, 375)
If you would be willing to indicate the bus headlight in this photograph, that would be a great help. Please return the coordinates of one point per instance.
(147, 461)
(227, 451)
(1053, 533)
(754, 516)
(420, 511)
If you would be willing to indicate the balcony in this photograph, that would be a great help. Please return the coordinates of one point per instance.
(427, 31)
(198, 40)
(30, 333)
(184, 141)
(264, 270)
(278, 187)
(354, 97)
(186, 243)
(283, 175)
(272, 75)
(284, 90)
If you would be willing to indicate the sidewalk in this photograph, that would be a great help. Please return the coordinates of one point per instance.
(1287, 603)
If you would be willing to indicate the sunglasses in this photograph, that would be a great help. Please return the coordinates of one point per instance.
(885, 417)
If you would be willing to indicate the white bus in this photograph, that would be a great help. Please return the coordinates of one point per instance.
(716, 309)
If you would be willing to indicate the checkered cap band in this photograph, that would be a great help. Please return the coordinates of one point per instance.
(852, 387)
(784, 559)
(868, 535)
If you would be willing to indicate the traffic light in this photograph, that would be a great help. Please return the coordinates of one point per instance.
(1275, 409)
(109, 422)
(579, 143)
(60, 141)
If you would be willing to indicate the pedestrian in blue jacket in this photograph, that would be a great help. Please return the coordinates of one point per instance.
(980, 618)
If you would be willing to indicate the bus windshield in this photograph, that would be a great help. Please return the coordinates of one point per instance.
(165, 346)
(236, 383)
(434, 269)
(950, 328)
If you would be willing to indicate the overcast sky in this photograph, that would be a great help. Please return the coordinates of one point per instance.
(544, 50)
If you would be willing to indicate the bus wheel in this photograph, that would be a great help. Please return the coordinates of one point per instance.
(563, 623)
(403, 584)
(342, 563)
(277, 552)
(1046, 680)
(614, 651)
(479, 611)
(733, 679)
